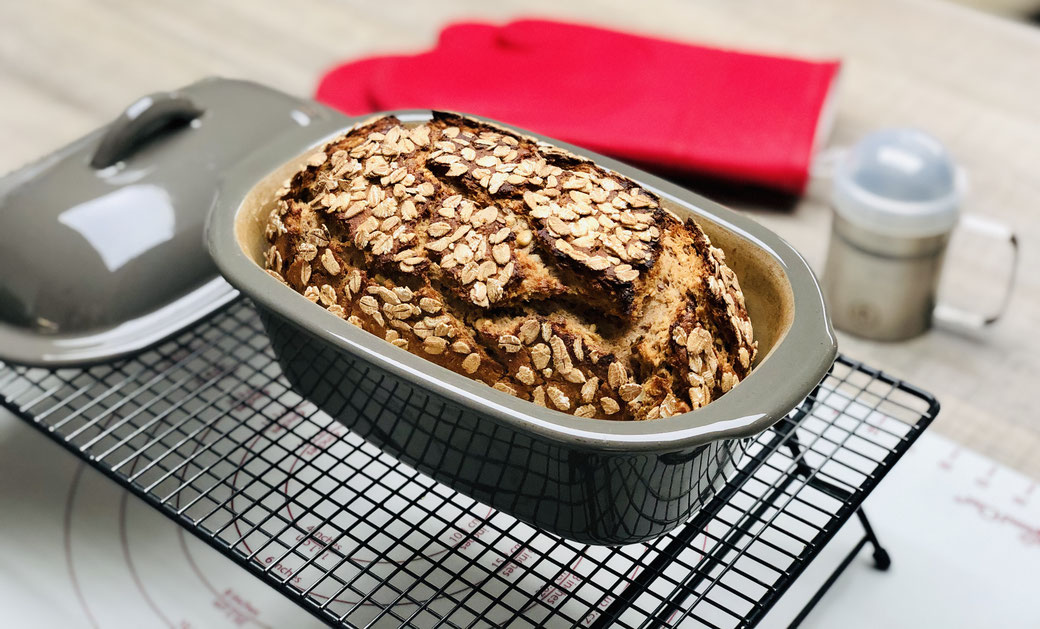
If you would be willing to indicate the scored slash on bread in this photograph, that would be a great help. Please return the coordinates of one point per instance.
(516, 263)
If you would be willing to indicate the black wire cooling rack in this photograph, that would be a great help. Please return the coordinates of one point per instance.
(205, 429)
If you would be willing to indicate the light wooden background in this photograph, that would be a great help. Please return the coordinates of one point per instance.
(970, 79)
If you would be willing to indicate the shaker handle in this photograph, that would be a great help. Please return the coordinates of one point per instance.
(968, 318)
(140, 123)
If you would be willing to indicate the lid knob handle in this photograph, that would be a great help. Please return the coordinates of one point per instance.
(140, 123)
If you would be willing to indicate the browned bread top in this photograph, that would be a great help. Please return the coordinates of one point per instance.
(515, 263)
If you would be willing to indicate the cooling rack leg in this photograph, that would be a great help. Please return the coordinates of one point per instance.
(881, 562)
(881, 559)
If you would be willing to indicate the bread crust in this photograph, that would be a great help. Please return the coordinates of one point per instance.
(515, 263)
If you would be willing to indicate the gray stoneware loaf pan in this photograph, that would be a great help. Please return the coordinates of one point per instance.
(592, 480)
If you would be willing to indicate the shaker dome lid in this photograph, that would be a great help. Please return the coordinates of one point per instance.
(898, 182)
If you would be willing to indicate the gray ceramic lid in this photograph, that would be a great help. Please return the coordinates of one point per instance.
(101, 245)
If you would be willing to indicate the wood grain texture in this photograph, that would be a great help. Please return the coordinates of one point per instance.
(68, 66)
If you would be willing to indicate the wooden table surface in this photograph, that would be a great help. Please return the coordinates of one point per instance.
(67, 67)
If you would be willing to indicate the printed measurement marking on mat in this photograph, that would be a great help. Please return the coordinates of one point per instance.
(988, 495)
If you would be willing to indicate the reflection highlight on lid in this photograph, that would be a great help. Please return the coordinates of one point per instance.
(125, 223)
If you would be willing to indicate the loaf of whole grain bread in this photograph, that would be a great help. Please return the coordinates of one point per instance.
(515, 263)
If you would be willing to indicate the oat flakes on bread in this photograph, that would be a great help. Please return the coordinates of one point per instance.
(515, 263)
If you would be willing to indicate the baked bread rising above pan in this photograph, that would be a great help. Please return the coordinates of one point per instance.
(515, 263)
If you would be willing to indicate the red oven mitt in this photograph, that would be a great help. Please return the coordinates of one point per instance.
(670, 107)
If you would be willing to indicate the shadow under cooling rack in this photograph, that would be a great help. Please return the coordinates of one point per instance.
(205, 429)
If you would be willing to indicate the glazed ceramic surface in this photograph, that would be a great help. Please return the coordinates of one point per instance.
(101, 248)
(597, 481)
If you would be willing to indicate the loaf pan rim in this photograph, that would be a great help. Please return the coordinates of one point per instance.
(795, 366)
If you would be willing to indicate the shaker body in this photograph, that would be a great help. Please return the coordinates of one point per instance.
(881, 286)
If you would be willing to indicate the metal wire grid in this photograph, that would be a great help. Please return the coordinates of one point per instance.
(204, 428)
